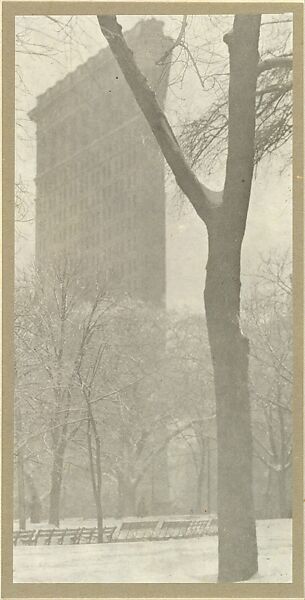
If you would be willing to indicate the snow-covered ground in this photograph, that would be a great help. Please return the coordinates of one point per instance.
(176, 561)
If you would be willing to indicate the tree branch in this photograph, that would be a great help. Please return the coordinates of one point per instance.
(200, 197)
(176, 43)
(284, 62)
(277, 88)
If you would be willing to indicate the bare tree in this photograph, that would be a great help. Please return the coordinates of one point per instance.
(190, 376)
(204, 139)
(225, 216)
(48, 334)
(87, 367)
(92, 369)
(268, 316)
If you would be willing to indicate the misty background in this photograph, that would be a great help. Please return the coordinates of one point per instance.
(269, 228)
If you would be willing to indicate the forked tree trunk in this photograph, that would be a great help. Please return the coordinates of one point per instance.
(226, 222)
(229, 348)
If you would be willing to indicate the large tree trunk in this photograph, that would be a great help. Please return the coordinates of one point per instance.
(229, 349)
(56, 485)
(225, 219)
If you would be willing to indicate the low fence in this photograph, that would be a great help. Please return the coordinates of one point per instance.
(127, 531)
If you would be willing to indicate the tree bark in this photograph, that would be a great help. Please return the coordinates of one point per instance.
(35, 502)
(229, 349)
(56, 484)
(281, 480)
(60, 445)
(200, 479)
(95, 465)
(99, 507)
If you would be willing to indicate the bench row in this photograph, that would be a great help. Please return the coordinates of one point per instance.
(127, 531)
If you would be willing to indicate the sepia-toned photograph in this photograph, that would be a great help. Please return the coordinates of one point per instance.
(153, 308)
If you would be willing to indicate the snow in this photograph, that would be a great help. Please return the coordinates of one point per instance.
(173, 561)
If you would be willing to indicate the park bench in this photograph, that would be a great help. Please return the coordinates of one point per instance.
(212, 526)
(173, 530)
(72, 535)
(202, 527)
(49, 536)
(22, 536)
(128, 531)
(136, 531)
(197, 528)
(108, 533)
(88, 535)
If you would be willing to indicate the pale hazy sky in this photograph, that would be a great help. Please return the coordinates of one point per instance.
(270, 214)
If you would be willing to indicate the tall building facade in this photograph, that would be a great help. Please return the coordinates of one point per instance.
(100, 197)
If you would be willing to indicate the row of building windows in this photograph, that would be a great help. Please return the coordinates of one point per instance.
(115, 240)
(75, 134)
(104, 203)
(134, 135)
(105, 260)
(121, 216)
(121, 172)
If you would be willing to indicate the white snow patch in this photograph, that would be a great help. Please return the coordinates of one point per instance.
(173, 561)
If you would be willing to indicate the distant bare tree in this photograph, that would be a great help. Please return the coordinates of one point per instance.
(268, 318)
(190, 376)
(48, 336)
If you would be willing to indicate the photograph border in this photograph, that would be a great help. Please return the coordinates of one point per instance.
(10, 9)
